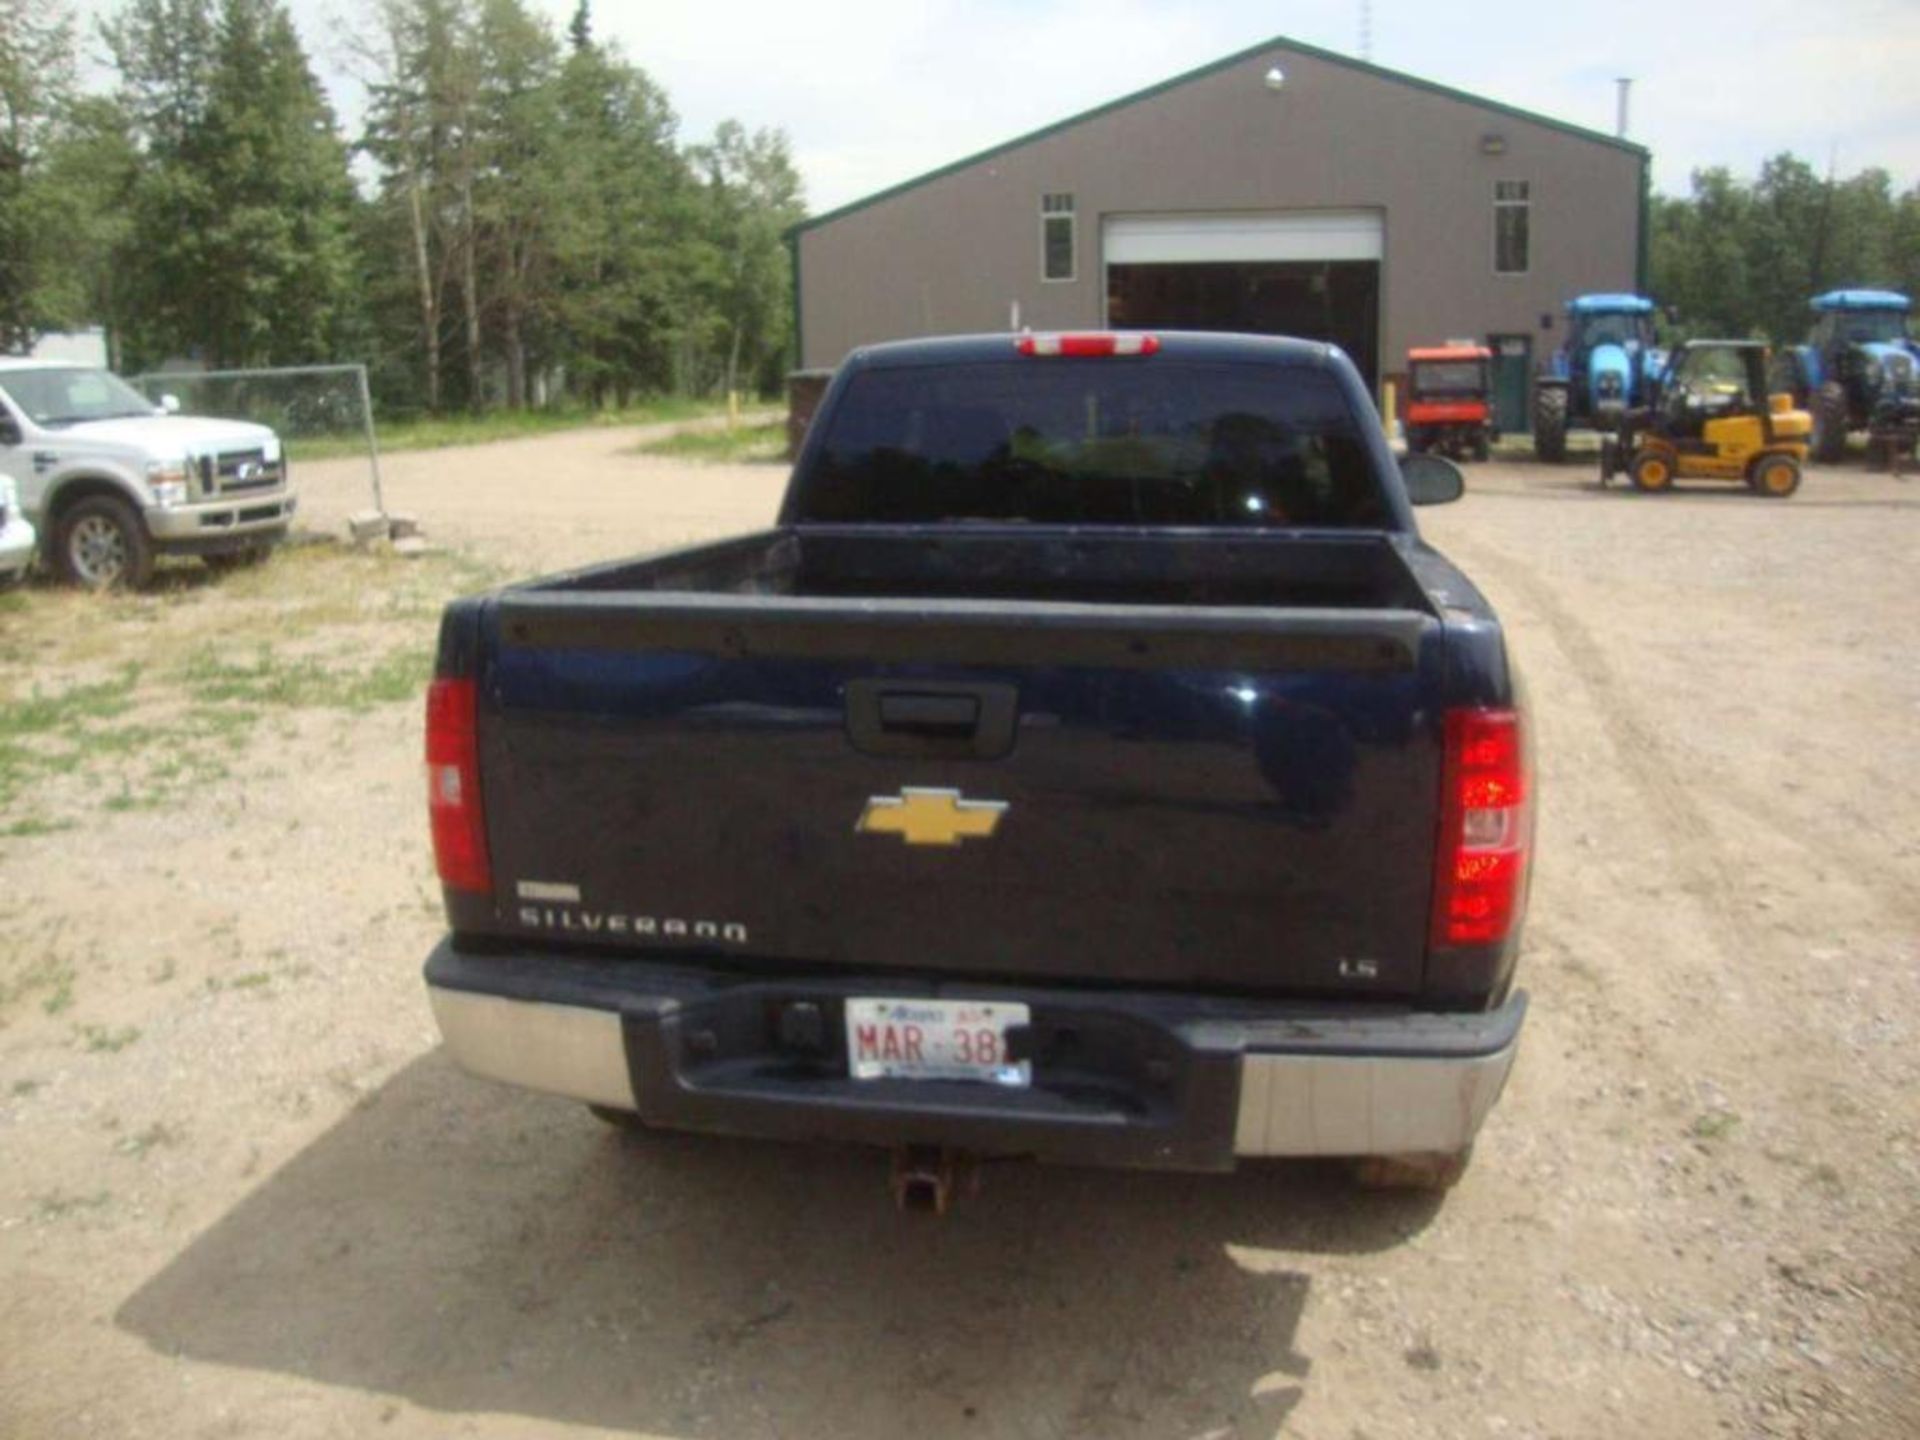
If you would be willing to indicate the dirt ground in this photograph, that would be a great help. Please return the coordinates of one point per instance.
(244, 1193)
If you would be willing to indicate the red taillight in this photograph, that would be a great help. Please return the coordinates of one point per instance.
(1106, 342)
(453, 788)
(1485, 829)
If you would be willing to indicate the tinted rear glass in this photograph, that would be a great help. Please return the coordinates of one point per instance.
(1095, 442)
(1442, 377)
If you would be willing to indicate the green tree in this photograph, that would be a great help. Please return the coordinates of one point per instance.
(1698, 255)
(624, 239)
(521, 185)
(36, 84)
(1739, 258)
(752, 193)
(1906, 243)
(423, 87)
(241, 231)
(85, 185)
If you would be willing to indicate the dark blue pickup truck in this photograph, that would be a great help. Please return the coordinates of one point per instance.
(1092, 764)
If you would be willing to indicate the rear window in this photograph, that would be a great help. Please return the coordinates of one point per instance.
(1443, 377)
(1094, 442)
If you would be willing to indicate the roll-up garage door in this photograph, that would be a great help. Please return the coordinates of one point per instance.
(1310, 273)
(1276, 235)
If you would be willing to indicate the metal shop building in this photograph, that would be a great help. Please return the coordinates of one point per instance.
(1285, 189)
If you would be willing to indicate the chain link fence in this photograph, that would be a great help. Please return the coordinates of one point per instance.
(321, 409)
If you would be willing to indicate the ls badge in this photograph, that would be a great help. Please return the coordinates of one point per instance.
(931, 817)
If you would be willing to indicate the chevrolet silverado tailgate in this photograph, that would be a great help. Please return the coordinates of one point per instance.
(1236, 797)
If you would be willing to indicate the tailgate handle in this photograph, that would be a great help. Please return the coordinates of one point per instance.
(914, 713)
(931, 719)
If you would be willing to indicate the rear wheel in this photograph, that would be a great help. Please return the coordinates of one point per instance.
(1830, 423)
(1775, 476)
(1653, 472)
(1482, 447)
(1550, 424)
(99, 543)
(1417, 441)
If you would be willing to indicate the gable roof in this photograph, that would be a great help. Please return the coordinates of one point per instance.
(1278, 42)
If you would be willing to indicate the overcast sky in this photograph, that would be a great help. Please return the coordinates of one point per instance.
(873, 92)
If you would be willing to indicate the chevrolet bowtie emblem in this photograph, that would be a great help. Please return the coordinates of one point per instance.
(931, 817)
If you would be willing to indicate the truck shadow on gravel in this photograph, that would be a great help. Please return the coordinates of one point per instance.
(467, 1248)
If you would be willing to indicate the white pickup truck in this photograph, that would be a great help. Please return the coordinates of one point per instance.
(112, 481)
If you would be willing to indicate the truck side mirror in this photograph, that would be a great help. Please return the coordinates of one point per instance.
(1430, 480)
(9, 430)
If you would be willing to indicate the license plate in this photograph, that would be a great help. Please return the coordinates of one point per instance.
(934, 1040)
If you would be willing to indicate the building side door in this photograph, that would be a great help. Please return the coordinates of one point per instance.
(1512, 369)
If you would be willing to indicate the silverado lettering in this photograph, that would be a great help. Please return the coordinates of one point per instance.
(549, 917)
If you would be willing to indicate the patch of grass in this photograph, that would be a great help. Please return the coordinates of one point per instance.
(155, 701)
(38, 714)
(252, 980)
(766, 441)
(20, 1089)
(304, 683)
(52, 973)
(57, 1203)
(32, 827)
(62, 996)
(152, 1138)
(18, 764)
(436, 432)
(1714, 1125)
(126, 799)
(100, 1040)
(221, 722)
(73, 718)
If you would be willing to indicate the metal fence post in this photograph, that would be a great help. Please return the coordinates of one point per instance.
(373, 446)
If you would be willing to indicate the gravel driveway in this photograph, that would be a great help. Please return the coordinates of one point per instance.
(245, 1194)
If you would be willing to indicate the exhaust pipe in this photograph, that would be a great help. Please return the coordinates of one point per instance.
(927, 1178)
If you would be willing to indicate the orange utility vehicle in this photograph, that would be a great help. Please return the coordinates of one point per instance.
(1450, 401)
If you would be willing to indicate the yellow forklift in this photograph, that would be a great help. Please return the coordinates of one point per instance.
(1709, 417)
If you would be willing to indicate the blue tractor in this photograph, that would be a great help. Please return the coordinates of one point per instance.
(1607, 366)
(1859, 370)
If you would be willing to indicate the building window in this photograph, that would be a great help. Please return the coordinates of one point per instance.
(1056, 237)
(1510, 227)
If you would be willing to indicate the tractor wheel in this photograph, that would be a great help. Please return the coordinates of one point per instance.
(1775, 476)
(1550, 424)
(1416, 439)
(1652, 472)
(1482, 447)
(1830, 423)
